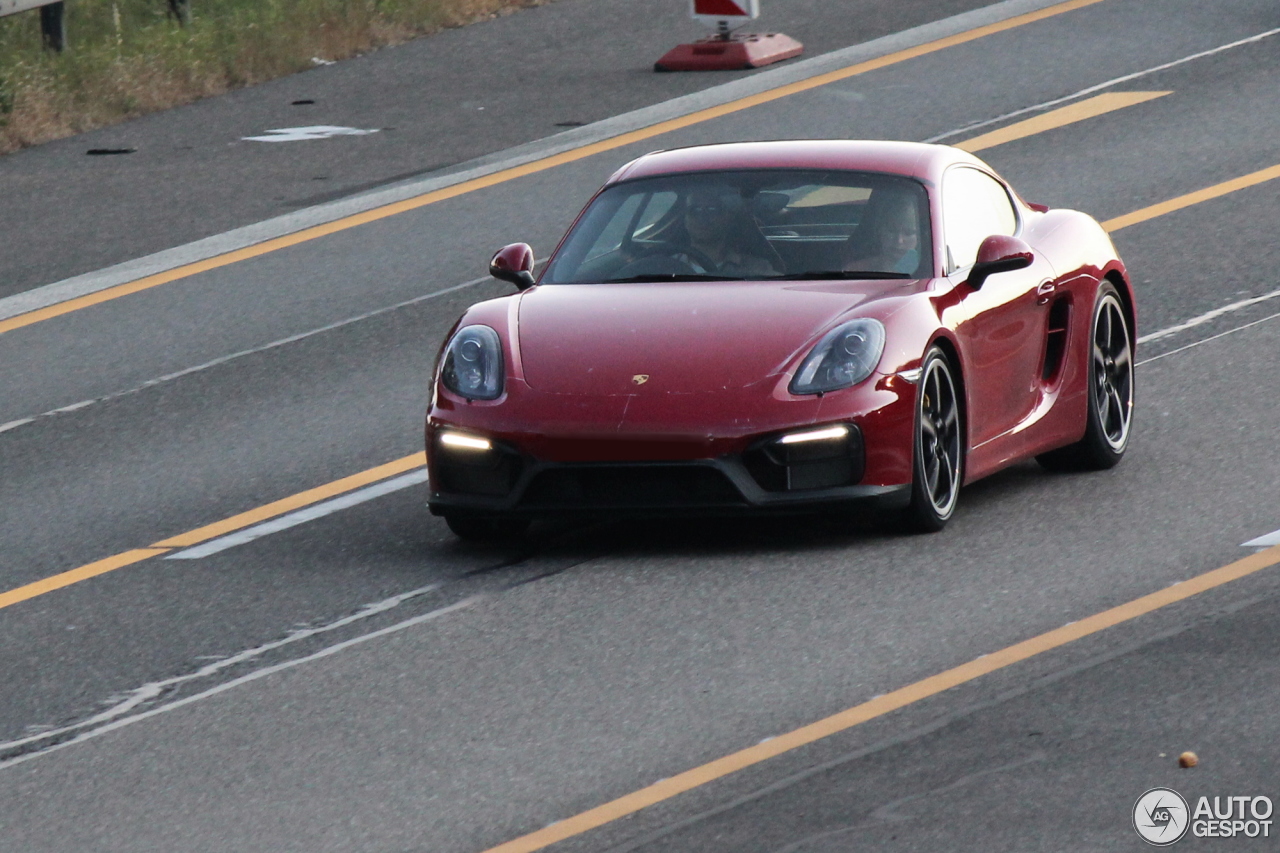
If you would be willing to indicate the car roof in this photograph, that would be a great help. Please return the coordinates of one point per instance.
(912, 159)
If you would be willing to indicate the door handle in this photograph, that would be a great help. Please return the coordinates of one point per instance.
(1044, 291)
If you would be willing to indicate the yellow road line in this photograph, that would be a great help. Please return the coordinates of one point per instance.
(881, 705)
(212, 531)
(289, 504)
(1215, 191)
(90, 570)
(534, 167)
(1095, 106)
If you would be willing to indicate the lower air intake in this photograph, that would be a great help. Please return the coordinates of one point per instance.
(632, 487)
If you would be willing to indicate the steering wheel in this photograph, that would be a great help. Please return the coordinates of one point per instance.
(666, 265)
(701, 259)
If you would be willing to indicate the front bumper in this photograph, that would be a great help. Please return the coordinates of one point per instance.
(766, 476)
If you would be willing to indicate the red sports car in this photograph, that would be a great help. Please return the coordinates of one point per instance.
(794, 326)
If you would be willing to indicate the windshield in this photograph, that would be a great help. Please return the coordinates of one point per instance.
(757, 225)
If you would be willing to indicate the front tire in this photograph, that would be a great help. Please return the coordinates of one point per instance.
(938, 446)
(1111, 387)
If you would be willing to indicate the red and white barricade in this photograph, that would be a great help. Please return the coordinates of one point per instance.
(727, 50)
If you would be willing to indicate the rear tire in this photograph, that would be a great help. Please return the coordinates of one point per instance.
(938, 447)
(1111, 388)
(490, 529)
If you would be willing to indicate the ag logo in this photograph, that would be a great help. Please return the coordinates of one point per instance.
(1160, 816)
(640, 378)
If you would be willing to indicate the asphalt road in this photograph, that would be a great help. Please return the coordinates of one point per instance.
(252, 700)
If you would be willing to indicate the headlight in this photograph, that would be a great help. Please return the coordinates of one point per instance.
(844, 357)
(473, 364)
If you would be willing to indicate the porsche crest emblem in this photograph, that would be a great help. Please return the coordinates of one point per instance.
(640, 378)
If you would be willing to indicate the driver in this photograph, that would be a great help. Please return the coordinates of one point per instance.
(894, 244)
(720, 232)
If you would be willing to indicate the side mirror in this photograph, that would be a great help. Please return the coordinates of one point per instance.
(999, 253)
(513, 263)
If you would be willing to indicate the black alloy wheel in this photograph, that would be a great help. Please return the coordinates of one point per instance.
(939, 446)
(1111, 391)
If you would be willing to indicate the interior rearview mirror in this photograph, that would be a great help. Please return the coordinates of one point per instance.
(997, 254)
(513, 263)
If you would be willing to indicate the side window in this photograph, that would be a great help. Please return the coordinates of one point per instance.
(974, 206)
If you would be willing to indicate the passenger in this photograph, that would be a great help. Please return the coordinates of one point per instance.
(723, 238)
(893, 242)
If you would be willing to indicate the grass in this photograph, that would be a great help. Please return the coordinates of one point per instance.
(125, 58)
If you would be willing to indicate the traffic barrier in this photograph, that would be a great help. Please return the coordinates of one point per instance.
(53, 24)
(181, 9)
(727, 50)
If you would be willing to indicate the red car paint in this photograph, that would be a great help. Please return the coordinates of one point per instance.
(717, 357)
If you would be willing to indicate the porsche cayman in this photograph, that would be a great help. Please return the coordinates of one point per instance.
(795, 326)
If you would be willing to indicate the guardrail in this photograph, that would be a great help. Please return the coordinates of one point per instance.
(53, 24)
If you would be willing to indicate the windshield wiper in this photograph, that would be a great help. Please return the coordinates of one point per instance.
(672, 277)
(827, 275)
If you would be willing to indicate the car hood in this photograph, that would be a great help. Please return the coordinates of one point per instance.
(677, 337)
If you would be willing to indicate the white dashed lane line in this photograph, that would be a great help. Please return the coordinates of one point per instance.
(217, 362)
(1266, 541)
(101, 725)
(1208, 317)
(303, 134)
(1115, 81)
(135, 701)
(302, 516)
